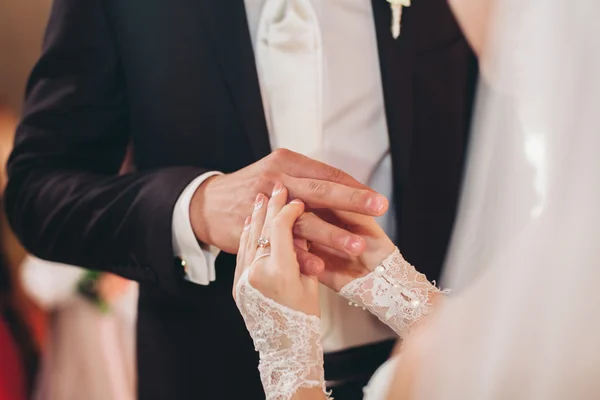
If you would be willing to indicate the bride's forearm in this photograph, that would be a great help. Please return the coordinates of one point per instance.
(395, 292)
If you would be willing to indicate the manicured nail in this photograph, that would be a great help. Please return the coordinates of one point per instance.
(353, 244)
(260, 200)
(247, 223)
(376, 204)
(277, 189)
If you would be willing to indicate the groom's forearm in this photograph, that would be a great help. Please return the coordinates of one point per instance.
(119, 224)
(65, 198)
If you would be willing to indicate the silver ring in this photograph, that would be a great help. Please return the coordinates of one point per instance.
(263, 243)
(259, 257)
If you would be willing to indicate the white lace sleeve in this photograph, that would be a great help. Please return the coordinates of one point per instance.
(288, 343)
(395, 292)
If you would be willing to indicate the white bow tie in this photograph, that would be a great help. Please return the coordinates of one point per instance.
(290, 65)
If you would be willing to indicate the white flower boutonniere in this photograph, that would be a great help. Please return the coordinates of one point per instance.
(396, 6)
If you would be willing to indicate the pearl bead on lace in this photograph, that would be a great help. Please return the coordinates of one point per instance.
(394, 292)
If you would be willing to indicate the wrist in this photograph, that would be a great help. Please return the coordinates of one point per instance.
(199, 212)
(380, 251)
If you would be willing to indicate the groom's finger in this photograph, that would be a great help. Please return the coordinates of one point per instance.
(310, 264)
(314, 229)
(324, 194)
(300, 166)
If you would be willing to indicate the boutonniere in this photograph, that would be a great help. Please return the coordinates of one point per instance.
(88, 288)
(396, 6)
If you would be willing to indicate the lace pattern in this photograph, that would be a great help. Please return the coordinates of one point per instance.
(394, 292)
(288, 343)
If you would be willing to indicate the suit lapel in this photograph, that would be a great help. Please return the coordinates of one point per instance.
(227, 24)
(395, 57)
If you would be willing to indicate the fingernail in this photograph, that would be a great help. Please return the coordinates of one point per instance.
(247, 223)
(278, 188)
(376, 204)
(353, 244)
(260, 200)
(297, 201)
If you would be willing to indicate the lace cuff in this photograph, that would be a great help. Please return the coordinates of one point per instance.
(288, 343)
(394, 292)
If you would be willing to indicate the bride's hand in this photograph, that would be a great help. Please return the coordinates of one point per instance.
(340, 268)
(274, 270)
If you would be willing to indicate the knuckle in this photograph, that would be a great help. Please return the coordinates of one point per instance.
(335, 175)
(270, 161)
(355, 197)
(335, 238)
(317, 187)
(279, 154)
(264, 180)
(277, 158)
(301, 223)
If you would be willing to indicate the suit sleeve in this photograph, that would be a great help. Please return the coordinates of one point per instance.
(65, 199)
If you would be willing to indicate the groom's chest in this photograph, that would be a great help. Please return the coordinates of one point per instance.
(190, 70)
(346, 100)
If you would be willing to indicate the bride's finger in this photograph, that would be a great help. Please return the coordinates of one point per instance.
(276, 203)
(243, 241)
(241, 255)
(256, 226)
(282, 238)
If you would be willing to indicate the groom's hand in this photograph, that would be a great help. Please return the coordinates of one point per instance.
(221, 204)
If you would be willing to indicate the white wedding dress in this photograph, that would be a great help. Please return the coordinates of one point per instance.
(380, 383)
(524, 258)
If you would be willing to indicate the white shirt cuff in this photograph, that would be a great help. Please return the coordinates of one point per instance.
(198, 260)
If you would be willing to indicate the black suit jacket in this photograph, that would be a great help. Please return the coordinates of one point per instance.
(178, 79)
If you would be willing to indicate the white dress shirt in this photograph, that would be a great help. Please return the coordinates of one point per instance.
(354, 139)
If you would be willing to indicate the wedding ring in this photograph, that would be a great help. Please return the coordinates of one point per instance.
(263, 243)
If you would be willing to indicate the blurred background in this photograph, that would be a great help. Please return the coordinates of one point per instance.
(21, 31)
(22, 26)
(65, 332)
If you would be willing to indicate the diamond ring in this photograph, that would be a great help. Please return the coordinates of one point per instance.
(263, 243)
